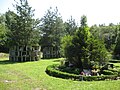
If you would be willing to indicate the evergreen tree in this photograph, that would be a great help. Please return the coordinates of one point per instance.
(83, 21)
(52, 28)
(97, 51)
(76, 51)
(82, 48)
(117, 47)
(22, 27)
(70, 26)
(3, 37)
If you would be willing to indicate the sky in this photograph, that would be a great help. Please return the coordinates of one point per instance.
(97, 11)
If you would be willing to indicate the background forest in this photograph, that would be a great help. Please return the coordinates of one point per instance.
(84, 53)
(50, 30)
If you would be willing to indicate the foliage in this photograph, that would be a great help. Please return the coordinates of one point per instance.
(51, 28)
(22, 27)
(108, 34)
(76, 49)
(70, 26)
(83, 48)
(109, 72)
(3, 37)
(72, 70)
(2, 30)
(83, 21)
(97, 51)
(65, 43)
(53, 70)
(117, 47)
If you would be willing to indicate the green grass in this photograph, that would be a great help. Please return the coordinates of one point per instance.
(32, 76)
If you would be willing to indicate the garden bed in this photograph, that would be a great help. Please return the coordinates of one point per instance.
(53, 70)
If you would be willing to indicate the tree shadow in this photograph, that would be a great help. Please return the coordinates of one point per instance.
(4, 62)
(53, 59)
(56, 60)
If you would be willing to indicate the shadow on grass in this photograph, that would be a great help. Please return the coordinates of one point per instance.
(53, 59)
(56, 60)
(4, 62)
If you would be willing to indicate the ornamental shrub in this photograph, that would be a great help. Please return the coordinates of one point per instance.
(107, 72)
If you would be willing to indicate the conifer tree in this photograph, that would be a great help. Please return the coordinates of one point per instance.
(22, 27)
(82, 48)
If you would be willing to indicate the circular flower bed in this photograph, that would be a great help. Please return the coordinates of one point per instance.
(53, 70)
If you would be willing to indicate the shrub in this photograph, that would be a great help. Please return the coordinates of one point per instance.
(56, 73)
(114, 61)
(114, 70)
(107, 72)
(72, 70)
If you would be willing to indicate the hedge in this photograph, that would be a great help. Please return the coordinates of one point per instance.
(53, 70)
(114, 61)
(108, 72)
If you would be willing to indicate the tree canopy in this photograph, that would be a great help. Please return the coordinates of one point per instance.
(51, 28)
(22, 27)
(3, 36)
(70, 26)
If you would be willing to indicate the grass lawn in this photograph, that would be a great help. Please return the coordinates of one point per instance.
(32, 76)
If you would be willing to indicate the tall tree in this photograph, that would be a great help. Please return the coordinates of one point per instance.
(76, 50)
(52, 28)
(117, 47)
(22, 27)
(2, 30)
(70, 26)
(82, 48)
(3, 37)
(83, 21)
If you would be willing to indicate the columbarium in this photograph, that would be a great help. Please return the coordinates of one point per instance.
(24, 53)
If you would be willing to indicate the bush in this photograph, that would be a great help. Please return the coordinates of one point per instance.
(71, 70)
(107, 72)
(114, 70)
(114, 61)
(53, 70)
